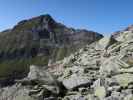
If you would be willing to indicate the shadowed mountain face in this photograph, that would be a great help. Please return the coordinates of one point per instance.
(37, 40)
(38, 36)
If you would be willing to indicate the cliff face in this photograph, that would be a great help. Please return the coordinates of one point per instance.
(36, 41)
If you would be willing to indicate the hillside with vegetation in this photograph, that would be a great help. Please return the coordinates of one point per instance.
(38, 41)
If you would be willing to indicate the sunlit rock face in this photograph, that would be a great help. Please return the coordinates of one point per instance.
(124, 35)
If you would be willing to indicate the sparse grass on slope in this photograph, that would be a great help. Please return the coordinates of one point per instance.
(18, 68)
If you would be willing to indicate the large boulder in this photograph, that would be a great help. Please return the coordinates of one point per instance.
(43, 83)
(76, 81)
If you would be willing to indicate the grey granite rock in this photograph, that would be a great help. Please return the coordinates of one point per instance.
(76, 81)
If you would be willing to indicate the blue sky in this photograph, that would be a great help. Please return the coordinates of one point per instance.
(104, 16)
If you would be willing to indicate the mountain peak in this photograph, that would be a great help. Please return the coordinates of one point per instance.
(38, 40)
(42, 21)
(43, 18)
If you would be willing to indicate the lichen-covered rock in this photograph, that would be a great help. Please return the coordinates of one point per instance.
(129, 97)
(123, 79)
(15, 92)
(42, 84)
(76, 81)
(100, 92)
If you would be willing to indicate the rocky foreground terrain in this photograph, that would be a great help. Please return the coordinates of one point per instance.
(102, 70)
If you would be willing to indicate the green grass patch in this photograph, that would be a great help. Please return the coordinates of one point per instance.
(18, 68)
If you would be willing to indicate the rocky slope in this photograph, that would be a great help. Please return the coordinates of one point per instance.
(102, 70)
(38, 40)
(124, 34)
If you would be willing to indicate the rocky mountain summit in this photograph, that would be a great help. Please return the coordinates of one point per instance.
(38, 41)
(102, 70)
(40, 36)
